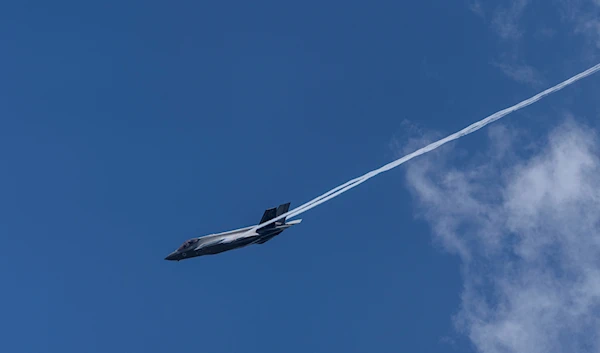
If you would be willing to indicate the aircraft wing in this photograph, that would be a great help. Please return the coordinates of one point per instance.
(226, 238)
(233, 235)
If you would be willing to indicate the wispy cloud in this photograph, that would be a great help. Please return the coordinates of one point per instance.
(506, 20)
(506, 23)
(522, 73)
(590, 27)
(580, 18)
(477, 8)
(544, 33)
(583, 15)
(528, 237)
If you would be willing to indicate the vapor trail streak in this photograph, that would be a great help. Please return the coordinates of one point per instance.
(468, 130)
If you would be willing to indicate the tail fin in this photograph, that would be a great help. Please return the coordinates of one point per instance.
(275, 212)
(268, 215)
(281, 209)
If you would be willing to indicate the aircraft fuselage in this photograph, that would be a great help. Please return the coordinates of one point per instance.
(218, 243)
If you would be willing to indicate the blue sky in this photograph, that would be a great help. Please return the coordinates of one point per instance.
(127, 128)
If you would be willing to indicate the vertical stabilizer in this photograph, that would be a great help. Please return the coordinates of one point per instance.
(274, 212)
(283, 208)
(268, 215)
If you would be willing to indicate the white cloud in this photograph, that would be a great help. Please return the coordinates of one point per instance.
(521, 73)
(506, 23)
(544, 33)
(506, 20)
(583, 16)
(477, 8)
(580, 18)
(591, 28)
(528, 234)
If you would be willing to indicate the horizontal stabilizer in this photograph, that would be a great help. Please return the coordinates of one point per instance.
(296, 221)
(269, 237)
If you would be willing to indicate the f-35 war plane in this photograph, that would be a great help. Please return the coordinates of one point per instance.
(234, 239)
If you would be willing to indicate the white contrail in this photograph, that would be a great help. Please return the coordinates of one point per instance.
(469, 129)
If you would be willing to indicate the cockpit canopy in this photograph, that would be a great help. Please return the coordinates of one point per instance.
(187, 244)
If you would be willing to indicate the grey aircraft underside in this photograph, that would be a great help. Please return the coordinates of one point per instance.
(234, 239)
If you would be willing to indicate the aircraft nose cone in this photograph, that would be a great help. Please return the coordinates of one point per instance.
(172, 256)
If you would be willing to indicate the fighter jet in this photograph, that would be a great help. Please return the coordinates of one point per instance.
(234, 239)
